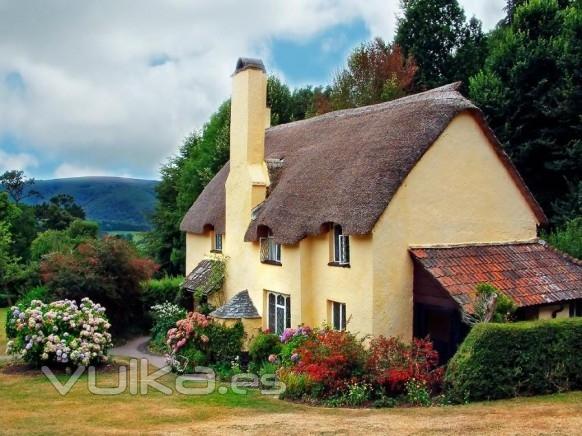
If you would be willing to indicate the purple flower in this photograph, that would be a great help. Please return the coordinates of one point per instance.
(295, 357)
(287, 335)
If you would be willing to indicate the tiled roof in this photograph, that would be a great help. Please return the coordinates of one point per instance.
(531, 273)
(239, 306)
(199, 278)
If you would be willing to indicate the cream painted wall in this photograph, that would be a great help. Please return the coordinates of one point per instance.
(197, 248)
(545, 312)
(459, 192)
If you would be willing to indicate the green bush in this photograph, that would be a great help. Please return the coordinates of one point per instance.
(525, 358)
(164, 318)
(262, 346)
(568, 238)
(38, 293)
(159, 291)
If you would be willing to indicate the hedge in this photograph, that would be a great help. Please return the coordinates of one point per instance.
(524, 358)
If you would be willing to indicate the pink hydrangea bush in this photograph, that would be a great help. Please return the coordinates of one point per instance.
(61, 332)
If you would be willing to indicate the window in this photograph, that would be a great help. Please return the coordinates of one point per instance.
(338, 315)
(341, 247)
(270, 251)
(279, 309)
(217, 243)
(575, 309)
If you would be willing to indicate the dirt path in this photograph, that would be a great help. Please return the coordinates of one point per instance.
(138, 349)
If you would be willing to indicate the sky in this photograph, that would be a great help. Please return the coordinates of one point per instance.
(112, 87)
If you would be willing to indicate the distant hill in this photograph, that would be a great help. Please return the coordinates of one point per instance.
(116, 203)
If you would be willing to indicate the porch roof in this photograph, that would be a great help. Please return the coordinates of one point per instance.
(531, 273)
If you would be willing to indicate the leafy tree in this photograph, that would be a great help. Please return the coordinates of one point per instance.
(568, 238)
(445, 47)
(375, 72)
(59, 212)
(8, 264)
(63, 241)
(108, 271)
(16, 185)
(490, 305)
(531, 92)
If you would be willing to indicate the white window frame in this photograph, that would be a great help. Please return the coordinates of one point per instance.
(341, 246)
(285, 306)
(272, 251)
(342, 321)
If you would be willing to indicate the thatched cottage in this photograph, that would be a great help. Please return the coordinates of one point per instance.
(381, 219)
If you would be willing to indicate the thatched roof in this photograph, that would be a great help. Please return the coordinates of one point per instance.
(343, 167)
(531, 273)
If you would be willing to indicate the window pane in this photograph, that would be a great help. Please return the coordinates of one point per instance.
(336, 316)
(343, 316)
(280, 300)
(346, 258)
(280, 319)
(337, 231)
(272, 312)
(288, 312)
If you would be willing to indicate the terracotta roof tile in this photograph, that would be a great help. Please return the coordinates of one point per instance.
(531, 273)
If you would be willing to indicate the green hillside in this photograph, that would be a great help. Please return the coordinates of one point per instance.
(116, 203)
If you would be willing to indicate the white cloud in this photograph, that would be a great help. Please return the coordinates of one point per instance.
(21, 161)
(121, 82)
(66, 170)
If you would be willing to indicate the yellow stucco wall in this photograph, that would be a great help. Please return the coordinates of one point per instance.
(459, 192)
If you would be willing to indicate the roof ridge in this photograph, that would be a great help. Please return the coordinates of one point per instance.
(378, 107)
(477, 244)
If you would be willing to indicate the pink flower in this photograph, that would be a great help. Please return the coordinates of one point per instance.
(272, 358)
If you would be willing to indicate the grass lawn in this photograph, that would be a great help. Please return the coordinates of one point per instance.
(3, 330)
(30, 405)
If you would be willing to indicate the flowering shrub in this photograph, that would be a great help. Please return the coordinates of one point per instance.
(331, 359)
(60, 332)
(393, 363)
(199, 340)
(165, 316)
(293, 339)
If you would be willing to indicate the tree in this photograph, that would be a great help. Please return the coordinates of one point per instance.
(58, 214)
(445, 48)
(489, 305)
(531, 92)
(16, 185)
(375, 72)
(108, 271)
(8, 264)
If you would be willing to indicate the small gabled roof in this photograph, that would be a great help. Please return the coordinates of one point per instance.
(344, 167)
(239, 306)
(531, 273)
(200, 278)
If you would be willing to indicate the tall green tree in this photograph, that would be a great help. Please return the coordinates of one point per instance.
(375, 72)
(531, 91)
(17, 185)
(444, 46)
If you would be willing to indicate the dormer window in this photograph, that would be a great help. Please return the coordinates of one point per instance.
(217, 243)
(340, 248)
(270, 250)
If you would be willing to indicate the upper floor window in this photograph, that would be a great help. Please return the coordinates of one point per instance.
(270, 250)
(338, 315)
(341, 246)
(217, 242)
(279, 312)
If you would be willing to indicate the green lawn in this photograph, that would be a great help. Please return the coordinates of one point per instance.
(3, 330)
(30, 405)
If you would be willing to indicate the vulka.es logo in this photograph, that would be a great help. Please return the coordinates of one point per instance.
(137, 380)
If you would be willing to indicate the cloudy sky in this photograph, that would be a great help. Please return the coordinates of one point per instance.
(111, 87)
